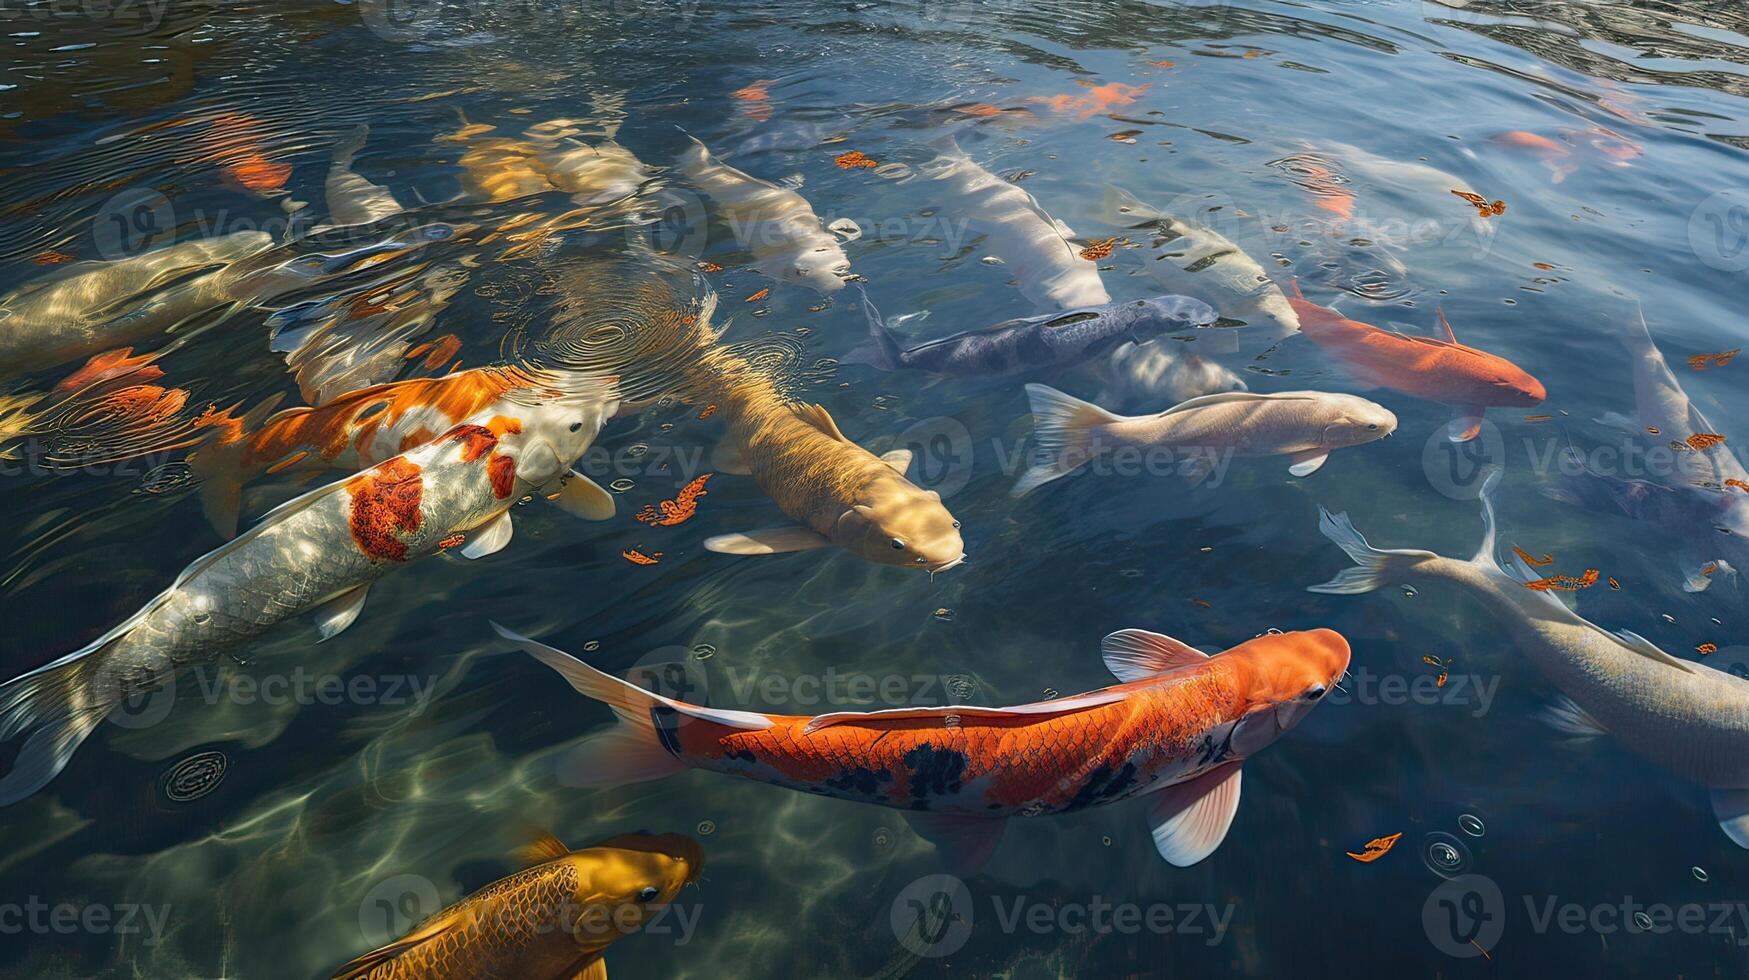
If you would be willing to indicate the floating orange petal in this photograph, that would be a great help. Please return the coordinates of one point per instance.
(756, 297)
(52, 257)
(677, 511)
(1161, 64)
(1565, 583)
(1481, 204)
(709, 267)
(1534, 562)
(1700, 361)
(1739, 484)
(1705, 440)
(1099, 249)
(1706, 648)
(854, 159)
(637, 557)
(709, 410)
(1376, 848)
(1199, 602)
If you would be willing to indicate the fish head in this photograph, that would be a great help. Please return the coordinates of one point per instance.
(1510, 386)
(626, 881)
(1356, 421)
(1162, 314)
(1284, 676)
(904, 526)
(822, 269)
(566, 417)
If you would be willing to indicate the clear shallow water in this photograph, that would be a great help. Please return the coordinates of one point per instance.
(337, 824)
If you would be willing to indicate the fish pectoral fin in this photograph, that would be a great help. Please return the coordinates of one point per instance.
(594, 968)
(1646, 648)
(729, 458)
(1465, 424)
(1307, 463)
(898, 459)
(541, 848)
(1731, 807)
(1564, 715)
(583, 497)
(1132, 655)
(966, 840)
(767, 541)
(1191, 819)
(489, 539)
(338, 613)
(817, 416)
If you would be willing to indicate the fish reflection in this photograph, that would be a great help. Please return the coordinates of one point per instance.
(1176, 728)
(552, 921)
(1663, 409)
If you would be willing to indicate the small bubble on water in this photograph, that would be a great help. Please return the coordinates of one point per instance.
(1050, 692)
(762, 311)
(621, 485)
(636, 449)
(592, 646)
(704, 651)
(707, 828)
(1409, 591)
(1698, 872)
(1130, 572)
(1106, 840)
(990, 260)
(194, 777)
(817, 307)
(883, 837)
(665, 426)
(944, 614)
(1472, 825)
(1445, 855)
(1669, 618)
(1643, 920)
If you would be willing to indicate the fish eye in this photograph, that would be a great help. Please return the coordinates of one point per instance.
(1372, 425)
(956, 525)
(648, 893)
(578, 427)
(898, 544)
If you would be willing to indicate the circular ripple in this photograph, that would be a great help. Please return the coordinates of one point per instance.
(194, 777)
(1445, 855)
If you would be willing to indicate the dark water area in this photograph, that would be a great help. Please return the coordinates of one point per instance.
(294, 804)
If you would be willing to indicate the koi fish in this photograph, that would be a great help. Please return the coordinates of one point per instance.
(1034, 246)
(1199, 260)
(319, 552)
(1686, 717)
(85, 307)
(362, 429)
(1051, 340)
(353, 200)
(838, 493)
(1098, 99)
(1135, 372)
(1305, 426)
(775, 223)
(1176, 730)
(1661, 406)
(1702, 527)
(1437, 370)
(1561, 157)
(548, 157)
(551, 921)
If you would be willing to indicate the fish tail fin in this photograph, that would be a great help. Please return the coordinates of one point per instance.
(347, 149)
(1064, 427)
(60, 706)
(632, 751)
(1374, 567)
(881, 349)
(218, 463)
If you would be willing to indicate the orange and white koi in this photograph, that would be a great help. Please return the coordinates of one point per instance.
(359, 430)
(317, 553)
(1176, 729)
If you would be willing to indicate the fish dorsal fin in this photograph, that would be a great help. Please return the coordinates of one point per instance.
(1133, 655)
(1033, 712)
(541, 848)
(1646, 648)
(1445, 325)
(817, 416)
(434, 927)
(1203, 401)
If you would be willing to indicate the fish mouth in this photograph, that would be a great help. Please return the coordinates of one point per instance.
(946, 565)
